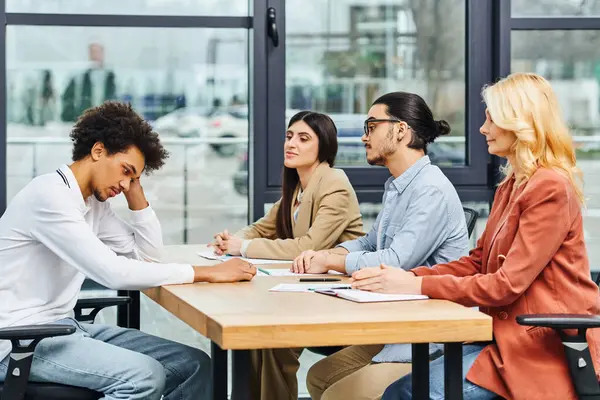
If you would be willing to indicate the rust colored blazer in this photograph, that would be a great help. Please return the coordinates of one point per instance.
(531, 259)
(329, 215)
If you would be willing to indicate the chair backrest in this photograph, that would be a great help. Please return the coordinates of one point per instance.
(471, 217)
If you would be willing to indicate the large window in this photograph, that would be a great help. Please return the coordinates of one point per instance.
(339, 56)
(194, 99)
(568, 57)
(342, 61)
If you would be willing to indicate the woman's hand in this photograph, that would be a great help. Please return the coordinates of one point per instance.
(311, 262)
(220, 243)
(386, 279)
(233, 246)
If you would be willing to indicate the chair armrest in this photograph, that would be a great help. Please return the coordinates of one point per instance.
(577, 352)
(560, 321)
(21, 355)
(93, 302)
(33, 332)
(97, 304)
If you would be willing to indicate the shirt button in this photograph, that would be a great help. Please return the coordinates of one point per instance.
(502, 315)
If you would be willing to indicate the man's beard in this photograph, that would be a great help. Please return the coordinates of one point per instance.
(387, 149)
(99, 196)
(377, 160)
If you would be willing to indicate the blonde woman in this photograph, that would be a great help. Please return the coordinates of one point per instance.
(531, 258)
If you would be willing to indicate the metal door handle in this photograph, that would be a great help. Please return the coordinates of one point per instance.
(272, 26)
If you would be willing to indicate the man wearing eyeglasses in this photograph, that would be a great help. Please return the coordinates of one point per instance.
(421, 223)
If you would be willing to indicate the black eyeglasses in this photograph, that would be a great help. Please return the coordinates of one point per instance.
(372, 120)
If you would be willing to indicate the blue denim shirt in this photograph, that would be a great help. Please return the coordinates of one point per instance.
(422, 222)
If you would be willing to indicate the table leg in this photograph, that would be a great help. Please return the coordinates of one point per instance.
(240, 385)
(420, 371)
(453, 371)
(135, 309)
(123, 311)
(218, 359)
(128, 315)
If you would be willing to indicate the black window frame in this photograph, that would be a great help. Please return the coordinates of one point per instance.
(487, 44)
(258, 64)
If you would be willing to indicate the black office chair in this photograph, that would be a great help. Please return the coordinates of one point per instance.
(16, 385)
(576, 347)
(577, 351)
(471, 218)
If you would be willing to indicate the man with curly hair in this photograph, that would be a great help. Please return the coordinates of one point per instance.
(59, 230)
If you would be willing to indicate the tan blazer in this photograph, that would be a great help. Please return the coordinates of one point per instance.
(328, 215)
(531, 259)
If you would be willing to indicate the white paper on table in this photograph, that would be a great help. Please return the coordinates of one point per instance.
(306, 287)
(362, 296)
(210, 255)
(262, 261)
(287, 272)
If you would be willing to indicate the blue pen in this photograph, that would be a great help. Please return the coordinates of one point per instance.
(332, 288)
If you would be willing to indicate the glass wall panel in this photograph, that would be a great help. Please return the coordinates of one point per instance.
(570, 61)
(341, 55)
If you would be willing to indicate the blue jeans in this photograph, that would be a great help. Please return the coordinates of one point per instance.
(121, 364)
(402, 388)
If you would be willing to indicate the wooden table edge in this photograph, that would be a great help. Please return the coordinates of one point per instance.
(234, 337)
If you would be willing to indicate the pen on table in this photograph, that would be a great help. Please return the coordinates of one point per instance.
(264, 271)
(320, 279)
(333, 288)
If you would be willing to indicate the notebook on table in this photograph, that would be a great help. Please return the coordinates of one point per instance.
(307, 287)
(362, 296)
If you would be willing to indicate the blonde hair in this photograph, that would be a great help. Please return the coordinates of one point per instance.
(525, 104)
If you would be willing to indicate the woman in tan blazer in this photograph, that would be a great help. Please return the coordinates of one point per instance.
(531, 258)
(318, 208)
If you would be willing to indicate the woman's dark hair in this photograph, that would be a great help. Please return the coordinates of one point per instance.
(413, 110)
(118, 127)
(326, 131)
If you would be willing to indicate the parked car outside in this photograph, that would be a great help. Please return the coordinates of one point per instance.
(186, 122)
(228, 122)
(209, 123)
(240, 176)
(232, 122)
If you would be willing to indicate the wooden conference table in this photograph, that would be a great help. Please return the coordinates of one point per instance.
(244, 316)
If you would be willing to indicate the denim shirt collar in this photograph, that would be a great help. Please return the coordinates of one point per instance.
(402, 182)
